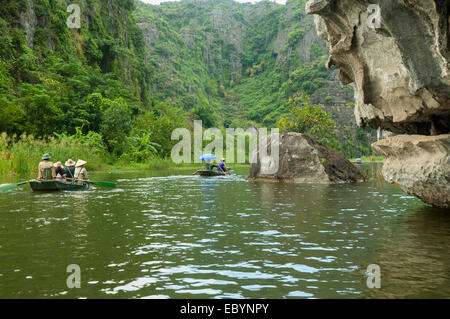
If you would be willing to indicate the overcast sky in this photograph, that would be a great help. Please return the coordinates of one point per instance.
(253, 1)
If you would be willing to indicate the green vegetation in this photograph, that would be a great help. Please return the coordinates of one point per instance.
(92, 83)
(113, 91)
(20, 155)
(308, 119)
(229, 65)
(236, 65)
(312, 120)
(52, 82)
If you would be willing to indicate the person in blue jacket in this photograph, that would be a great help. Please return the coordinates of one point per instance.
(223, 167)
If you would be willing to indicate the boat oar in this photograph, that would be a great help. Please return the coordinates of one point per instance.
(101, 183)
(195, 173)
(11, 186)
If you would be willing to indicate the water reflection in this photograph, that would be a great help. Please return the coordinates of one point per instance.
(414, 258)
(209, 194)
(173, 235)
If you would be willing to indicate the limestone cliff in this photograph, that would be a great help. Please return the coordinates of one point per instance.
(399, 71)
(28, 21)
(420, 165)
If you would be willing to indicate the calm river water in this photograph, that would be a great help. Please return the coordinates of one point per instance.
(166, 234)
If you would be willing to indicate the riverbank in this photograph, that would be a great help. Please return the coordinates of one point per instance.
(20, 156)
(161, 164)
(17, 165)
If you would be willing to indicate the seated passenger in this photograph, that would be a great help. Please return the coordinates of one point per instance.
(46, 169)
(69, 172)
(209, 166)
(80, 171)
(222, 167)
(59, 170)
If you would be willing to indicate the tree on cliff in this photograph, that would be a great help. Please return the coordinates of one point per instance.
(307, 118)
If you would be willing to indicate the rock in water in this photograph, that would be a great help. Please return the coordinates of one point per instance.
(301, 160)
(420, 165)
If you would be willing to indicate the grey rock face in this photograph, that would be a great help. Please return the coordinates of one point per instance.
(399, 71)
(28, 20)
(401, 80)
(420, 165)
(151, 34)
(303, 160)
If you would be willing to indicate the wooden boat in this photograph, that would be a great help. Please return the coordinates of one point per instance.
(204, 172)
(57, 185)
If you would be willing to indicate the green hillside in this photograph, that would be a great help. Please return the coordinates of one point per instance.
(232, 59)
(51, 75)
(133, 72)
(236, 64)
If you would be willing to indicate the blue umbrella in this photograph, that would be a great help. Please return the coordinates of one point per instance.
(207, 157)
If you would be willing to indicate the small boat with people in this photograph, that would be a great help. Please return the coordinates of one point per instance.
(54, 177)
(57, 185)
(204, 172)
(208, 171)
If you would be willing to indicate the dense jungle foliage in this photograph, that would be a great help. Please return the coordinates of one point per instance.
(134, 72)
(238, 62)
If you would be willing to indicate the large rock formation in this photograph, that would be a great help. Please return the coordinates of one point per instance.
(401, 80)
(301, 160)
(399, 71)
(420, 165)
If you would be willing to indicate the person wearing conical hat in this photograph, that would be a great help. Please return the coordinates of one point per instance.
(80, 171)
(45, 169)
(69, 172)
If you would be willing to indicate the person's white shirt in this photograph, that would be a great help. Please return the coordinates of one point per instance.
(81, 173)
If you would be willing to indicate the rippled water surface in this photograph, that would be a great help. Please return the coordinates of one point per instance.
(168, 234)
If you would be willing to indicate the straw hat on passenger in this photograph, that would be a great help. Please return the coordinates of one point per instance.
(69, 162)
(57, 164)
(80, 163)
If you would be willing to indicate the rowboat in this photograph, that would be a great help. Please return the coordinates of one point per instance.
(57, 185)
(204, 172)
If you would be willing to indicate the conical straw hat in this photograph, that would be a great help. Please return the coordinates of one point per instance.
(80, 163)
(69, 162)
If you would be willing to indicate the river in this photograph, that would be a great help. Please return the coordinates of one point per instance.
(167, 234)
